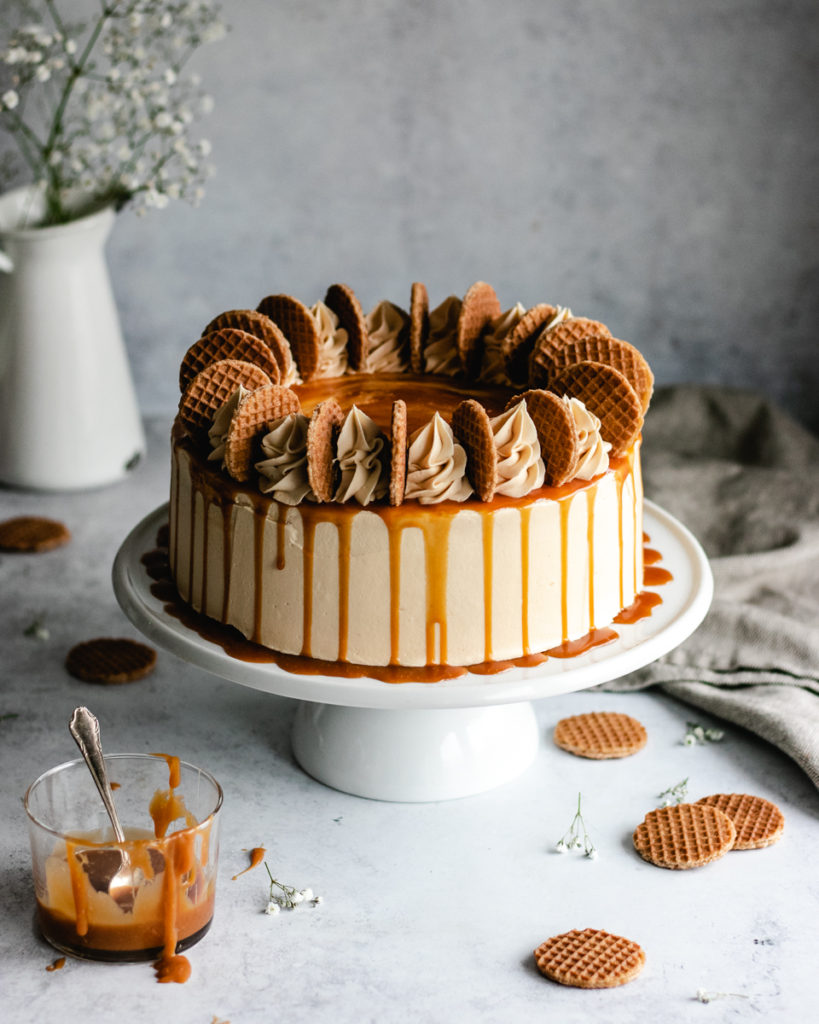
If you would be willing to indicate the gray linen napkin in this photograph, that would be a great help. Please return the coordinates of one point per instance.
(744, 478)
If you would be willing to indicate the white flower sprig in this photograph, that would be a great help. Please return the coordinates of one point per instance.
(572, 838)
(103, 109)
(286, 897)
(675, 794)
(709, 997)
(695, 733)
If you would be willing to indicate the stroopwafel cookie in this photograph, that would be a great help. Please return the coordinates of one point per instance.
(210, 389)
(590, 958)
(758, 822)
(470, 424)
(600, 735)
(322, 432)
(251, 419)
(556, 432)
(479, 306)
(227, 343)
(30, 534)
(575, 328)
(398, 452)
(110, 661)
(606, 393)
(419, 325)
(343, 302)
(298, 326)
(684, 836)
(518, 344)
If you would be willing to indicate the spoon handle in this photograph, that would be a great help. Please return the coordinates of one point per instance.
(85, 729)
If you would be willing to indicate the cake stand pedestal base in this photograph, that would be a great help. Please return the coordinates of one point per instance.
(413, 756)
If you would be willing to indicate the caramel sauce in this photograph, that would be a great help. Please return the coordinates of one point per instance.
(57, 965)
(425, 395)
(656, 576)
(640, 608)
(256, 858)
(574, 648)
(651, 555)
(80, 916)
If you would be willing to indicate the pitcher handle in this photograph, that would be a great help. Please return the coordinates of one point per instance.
(6, 264)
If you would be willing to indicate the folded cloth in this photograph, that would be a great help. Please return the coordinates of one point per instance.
(744, 478)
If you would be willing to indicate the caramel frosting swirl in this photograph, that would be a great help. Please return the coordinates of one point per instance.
(360, 456)
(493, 365)
(436, 465)
(217, 435)
(563, 313)
(387, 330)
(594, 451)
(441, 351)
(283, 470)
(520, 467)
(332, 360)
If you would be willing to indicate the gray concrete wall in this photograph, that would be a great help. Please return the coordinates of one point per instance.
(651, 163)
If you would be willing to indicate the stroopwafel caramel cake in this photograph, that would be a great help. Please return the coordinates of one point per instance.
(449, 487)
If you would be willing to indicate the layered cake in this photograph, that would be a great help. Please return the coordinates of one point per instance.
(449, 487)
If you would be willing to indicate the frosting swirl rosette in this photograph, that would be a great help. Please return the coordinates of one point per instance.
(436, 465)
(283, 470)
(520, 468)
(360, 454)
(332, 361)
(594, 451)
(387, 328)
(493, 364)
(441, 351)
(217, 435)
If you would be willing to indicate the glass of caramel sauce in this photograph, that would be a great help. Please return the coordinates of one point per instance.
(148, 898)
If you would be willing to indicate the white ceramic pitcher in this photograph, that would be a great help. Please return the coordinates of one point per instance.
(68, 412)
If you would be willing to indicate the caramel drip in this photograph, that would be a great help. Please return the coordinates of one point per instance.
(436, 552)
(256, 858)
(591, 496)
(308, 554)
(656, 576)
(203, 590)
(77, 890)
(525, 520)
(574, 648)
(227, 557)
(395, 535)
(641, 608)
(281, 536)
(345, 529)
(637, 548)
(564, 564)
(258, 567)
(488, 523)
(650, 556)
(57, 965)
(619, 481)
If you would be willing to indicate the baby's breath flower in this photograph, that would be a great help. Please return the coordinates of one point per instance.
(676, 794)
(9, 99)
(696, 734)
(576, 836)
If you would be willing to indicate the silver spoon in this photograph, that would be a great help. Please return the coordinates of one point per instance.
(117, 875)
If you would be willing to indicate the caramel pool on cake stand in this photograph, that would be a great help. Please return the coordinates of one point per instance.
(426, 741)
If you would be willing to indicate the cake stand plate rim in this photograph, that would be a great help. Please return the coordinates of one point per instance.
(686, 599)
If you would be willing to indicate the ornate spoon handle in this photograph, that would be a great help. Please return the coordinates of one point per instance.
(85, 729)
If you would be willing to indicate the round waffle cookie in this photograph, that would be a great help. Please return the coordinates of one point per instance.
(227, 343)
(110, 661)
(32, 534)
(611, 351)
(518, 344)
(252, 418)
(556, 433)
(298, 326)
(590, 959)
(600, 735)
(325, 424)
(419, 325)
(470, 424)
(210, 389)
(573, 329)
(479, 306)
(606, 393)
(398, 452)
(684, 836)
(343, 302)
(758, 822)
(253, 322)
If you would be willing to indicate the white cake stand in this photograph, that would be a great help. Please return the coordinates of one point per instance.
(428, 741)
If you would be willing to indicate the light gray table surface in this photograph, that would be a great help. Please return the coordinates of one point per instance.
(431, 911)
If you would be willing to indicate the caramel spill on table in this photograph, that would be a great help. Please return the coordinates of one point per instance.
(58, 964)
(256, 858)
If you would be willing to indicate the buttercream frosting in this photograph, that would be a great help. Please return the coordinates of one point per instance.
(360, 459)
(436, 465)
(332, 360)
(283, 470)
(387, 330)
(594, 451)
(520, 467)
(563, 313)
(441, 352)
(217, 435)
(493, 365)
